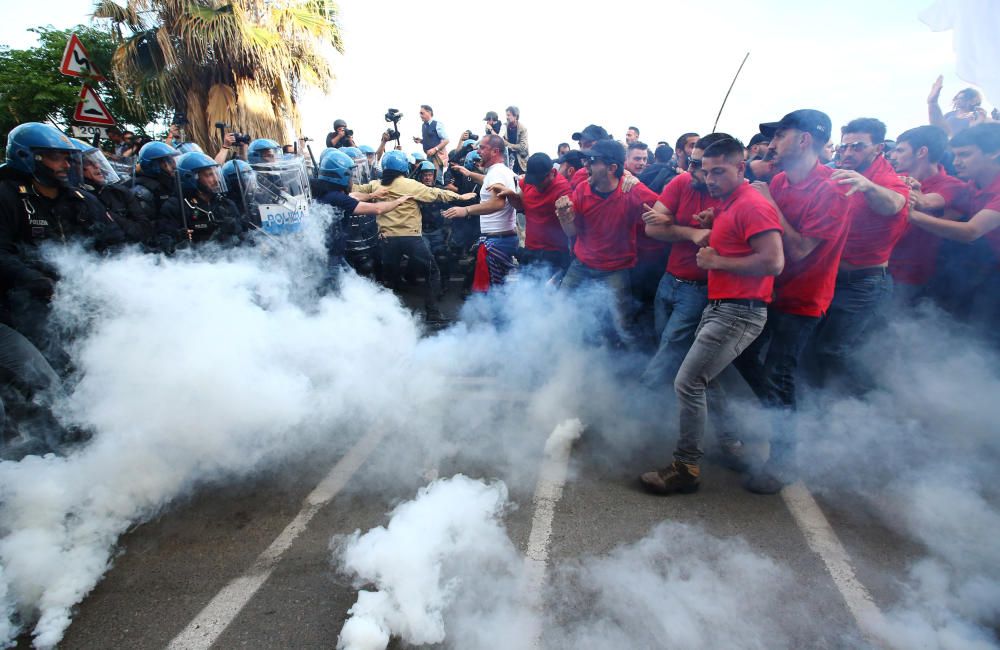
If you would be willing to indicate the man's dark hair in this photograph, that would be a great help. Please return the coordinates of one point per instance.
(638, 145)
(681, 140)
(932, 137)
(710, 139)
(873, 127)
(561, 145)
(633, 128)
(984, 136)
(390, 175)
(427, 108)
(724, 145)
(513, 110)
(663, 153)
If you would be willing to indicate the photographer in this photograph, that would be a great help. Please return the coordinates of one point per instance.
(515, 138)
(493, 123)
(341, 136)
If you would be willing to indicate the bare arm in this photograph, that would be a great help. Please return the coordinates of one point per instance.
(380, 208)
(934, 115)
(566, 215)
(796, 247)
(512, 196)
(981, 223)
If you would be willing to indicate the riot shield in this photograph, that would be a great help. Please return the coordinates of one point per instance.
(282, 194)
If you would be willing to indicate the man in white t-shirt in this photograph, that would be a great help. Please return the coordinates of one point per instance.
(498, 241)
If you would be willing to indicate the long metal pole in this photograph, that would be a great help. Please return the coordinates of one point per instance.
(726, 98)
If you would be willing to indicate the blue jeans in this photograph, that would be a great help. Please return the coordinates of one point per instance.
(617, 282)
(859, 307)
(724, 332)
(677, 311)
(771, 375)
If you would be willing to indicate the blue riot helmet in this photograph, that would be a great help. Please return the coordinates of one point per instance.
(426, 166)
(472, 160)
(365, 149)
(42, 151)
(263, 150)
(247, 180)
(198, 172)
(353, 152)
(469, 143)
(419, 156)
(96, 170)
(335, 167)
(395, 161)
(187, 147)
(157, 159)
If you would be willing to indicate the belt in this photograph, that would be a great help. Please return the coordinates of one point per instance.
(494, 235)
(744, 302)
(698, 283)
(860, 274)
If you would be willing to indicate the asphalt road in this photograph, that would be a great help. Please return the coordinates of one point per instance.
(169, 570)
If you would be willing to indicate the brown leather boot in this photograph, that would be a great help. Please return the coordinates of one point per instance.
(676, 478)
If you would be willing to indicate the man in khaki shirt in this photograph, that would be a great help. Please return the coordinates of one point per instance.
(401, 229)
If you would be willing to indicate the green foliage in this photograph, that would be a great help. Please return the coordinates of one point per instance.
(33, 90)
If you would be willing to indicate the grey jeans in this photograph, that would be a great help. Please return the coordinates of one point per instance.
(725, 330)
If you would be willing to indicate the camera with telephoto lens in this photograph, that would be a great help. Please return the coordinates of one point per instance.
(241, 138)
(470, 136)
(349, 133)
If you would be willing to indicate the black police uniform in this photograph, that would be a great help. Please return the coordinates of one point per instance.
(216, 220)
(27, 220)
(123, 206)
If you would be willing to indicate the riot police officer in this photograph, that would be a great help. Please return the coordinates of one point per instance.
(154, 180)
(206, 213)
(38, 204)
(353, 232)
(241, 188)
(101, 180)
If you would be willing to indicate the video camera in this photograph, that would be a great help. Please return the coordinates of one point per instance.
(393, 115)
(241, 138)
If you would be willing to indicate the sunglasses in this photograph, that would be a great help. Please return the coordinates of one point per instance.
(694, 164)
(856, 147)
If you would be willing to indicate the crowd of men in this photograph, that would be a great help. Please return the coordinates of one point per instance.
(780, 259)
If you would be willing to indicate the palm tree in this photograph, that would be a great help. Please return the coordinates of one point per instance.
(241, 62)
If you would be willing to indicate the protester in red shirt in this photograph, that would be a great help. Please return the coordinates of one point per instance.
(602, 217)
(545, 243)
(742, 257)
(932, 191)
(587, 137)
(680, 217)
(813, 214)
(977, 160)
(570, 163)
(877, 214)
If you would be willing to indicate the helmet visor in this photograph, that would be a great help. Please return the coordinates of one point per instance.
(97, 171)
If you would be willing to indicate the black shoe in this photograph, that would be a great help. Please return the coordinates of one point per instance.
(764, 482)
(733, 456)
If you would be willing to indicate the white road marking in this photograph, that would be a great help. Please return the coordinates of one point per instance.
(548, 492)
(824, 542)
(213, 620)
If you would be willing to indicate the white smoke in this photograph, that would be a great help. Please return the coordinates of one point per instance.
(443, 571)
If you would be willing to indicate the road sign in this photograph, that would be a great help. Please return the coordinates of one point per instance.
(76, 61)
(81, 131)
(91, 109)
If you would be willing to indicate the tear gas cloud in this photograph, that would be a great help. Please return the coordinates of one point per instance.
(212, 366)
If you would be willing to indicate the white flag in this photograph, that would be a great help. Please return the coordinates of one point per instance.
(976, 39)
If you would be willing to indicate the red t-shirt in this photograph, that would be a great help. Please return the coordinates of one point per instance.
(872, 235)
(605, 228)
(541, 226)
(914, 259)
(740, 217)
(646, 247)
(683, 201)
(815, 208)
(579, 176)
(973, 199)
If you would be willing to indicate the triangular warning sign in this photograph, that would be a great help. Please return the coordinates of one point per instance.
(92, 109)
(76, 61)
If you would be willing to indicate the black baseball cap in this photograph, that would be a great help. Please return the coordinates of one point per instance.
(610, 151)
(758, 139)
(808, 120)
(491, 116)
(573, 157)
(539, 166)
(592, 132)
